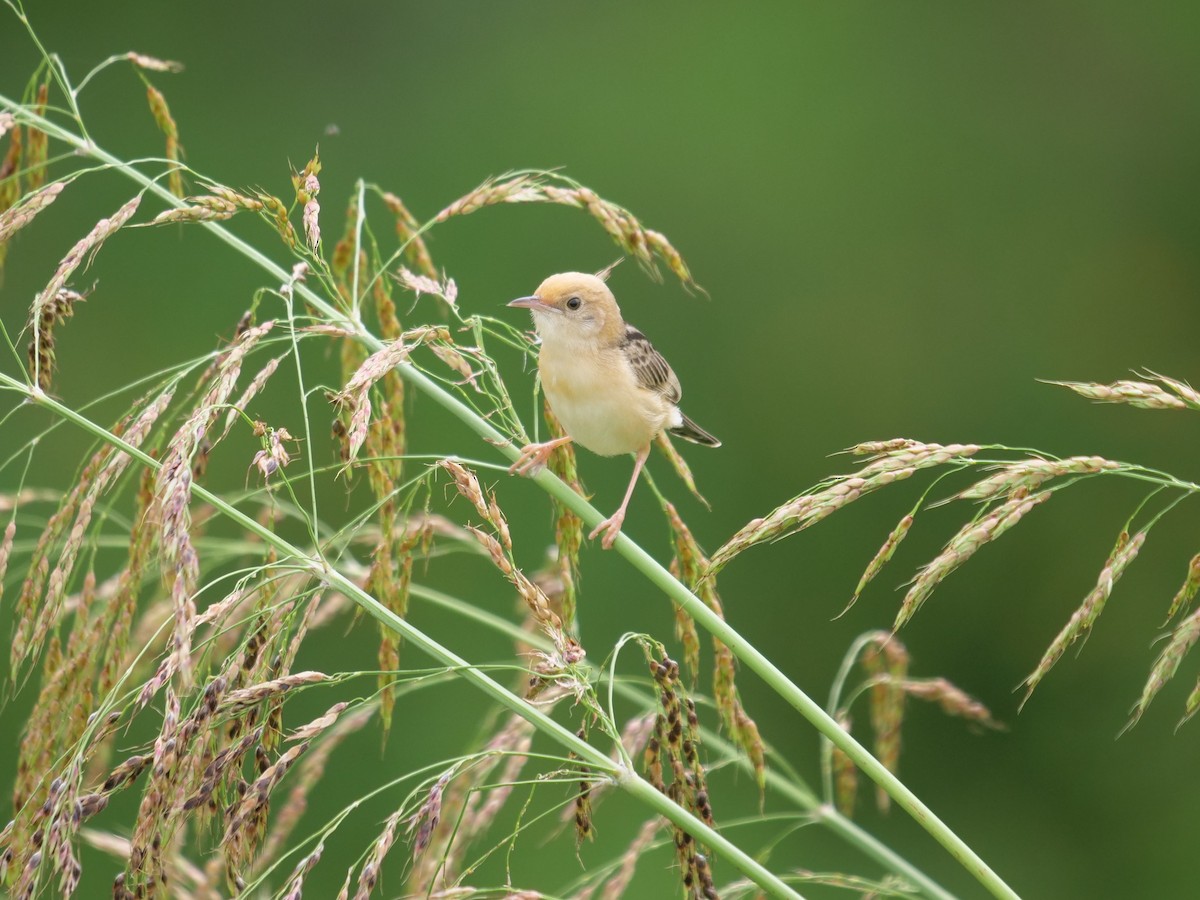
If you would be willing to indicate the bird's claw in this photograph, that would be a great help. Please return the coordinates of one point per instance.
(610, 527)
(533, 458)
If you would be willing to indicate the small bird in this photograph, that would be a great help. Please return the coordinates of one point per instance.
(608, 386)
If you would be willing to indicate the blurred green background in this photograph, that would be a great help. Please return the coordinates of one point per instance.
(904, 215)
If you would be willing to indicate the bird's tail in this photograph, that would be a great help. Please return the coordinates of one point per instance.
(690, 431)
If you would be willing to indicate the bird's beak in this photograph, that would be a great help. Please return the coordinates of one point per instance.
(532, 303)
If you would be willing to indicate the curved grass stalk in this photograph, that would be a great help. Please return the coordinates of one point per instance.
(654, 571)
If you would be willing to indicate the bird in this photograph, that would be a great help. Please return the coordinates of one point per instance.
(611, 390)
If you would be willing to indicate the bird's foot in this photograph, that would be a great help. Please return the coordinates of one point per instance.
(534, 456)
(610, 528)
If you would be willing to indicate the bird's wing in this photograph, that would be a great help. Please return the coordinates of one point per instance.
(649, 368)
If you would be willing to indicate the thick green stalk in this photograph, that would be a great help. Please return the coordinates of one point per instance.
(641, 560)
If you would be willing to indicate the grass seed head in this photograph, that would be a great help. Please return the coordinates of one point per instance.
(1135, 393)
(445, 289)
(153, 64)
(17, 217)
(244, 698)
(953, 700)
(408, 231)
(1187, 591)
(201, 209)
(886, 660)
(645, 245)
(881, 558)
(1181, 640)
(355, 396)
(895, 461)
(166, 124)
(616, 886)
(10, 177)
(1030, 474)
(38, 150)
(369, 876)
(961, 547)
(845, 773)
(1181, 389)
(1081, 621)
(422, 823)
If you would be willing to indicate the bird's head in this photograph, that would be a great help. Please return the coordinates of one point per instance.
(574, 307)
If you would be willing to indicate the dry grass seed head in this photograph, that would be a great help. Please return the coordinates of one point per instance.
(295, 888)
(6, 545)
(513, 743)
(119, 615)
(896, 462)
(446, 289)
(845, 773)
(17, 217)
(246, 821)
(89, 244)
(454, 359)
(241, 699)
(953, 700)
(173, 484)
(10, 178)
(166, 124)
(59, 718)
(38, 612)
(355, 396)
(219, 204)
(1082, 620)
(500, 552)
(1187, 591)
(276, 212)
(464, 812)
(568, 526)
(341, 261)
(685, 631)
(43, 360)
(422, 823)
(679, 464)
(1182, 389)
(886, 660)
(307, 188)
(252, 389)
(643, 244)
(369, 876)
(616, 886)
(634, 737)
(1029, 474)
(38, 150)
(153, 63)
(407, 230)
(1181, 639)
(332, 728)
(881, 558)
(693, 567)
(1135, 393)
(961, 547)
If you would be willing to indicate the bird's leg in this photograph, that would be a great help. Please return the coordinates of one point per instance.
(534, 456)
(611, 526)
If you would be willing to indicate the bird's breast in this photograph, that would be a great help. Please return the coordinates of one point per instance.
(599, 402)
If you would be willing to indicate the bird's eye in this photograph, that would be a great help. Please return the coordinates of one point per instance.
(574, 303)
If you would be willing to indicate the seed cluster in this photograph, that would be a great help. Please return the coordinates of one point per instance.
(675, 742)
